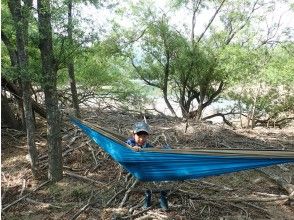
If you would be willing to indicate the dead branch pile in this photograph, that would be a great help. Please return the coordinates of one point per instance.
(101, 189)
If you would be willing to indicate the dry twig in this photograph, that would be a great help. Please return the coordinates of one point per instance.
(127, 193)
(82, 178)
(47, 205)
(137, 214)
(89, 203)
(25, 196)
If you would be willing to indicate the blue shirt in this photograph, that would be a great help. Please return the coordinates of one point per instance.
(131, 141)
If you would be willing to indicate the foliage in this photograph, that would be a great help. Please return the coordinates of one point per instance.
(167, 59)
(266, 80)
(238, 63)
(233, 54)
(103, 69)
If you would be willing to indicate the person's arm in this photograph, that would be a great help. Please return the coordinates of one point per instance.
(137, 148)
(132, 143)
(167, 146)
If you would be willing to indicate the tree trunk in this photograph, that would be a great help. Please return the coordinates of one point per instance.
(241, 112)
(50, 89)
(20, 16)
(14, 62)
(184, 107)
(11, 49)
(7, 116)
(165, 83)
(200, 104)
(254, 107)
(70, 66)
(16, 92)
(168, 104)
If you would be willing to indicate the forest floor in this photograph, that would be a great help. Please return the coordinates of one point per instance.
(94, 186)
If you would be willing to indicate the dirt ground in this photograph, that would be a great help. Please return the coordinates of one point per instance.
(94, 185)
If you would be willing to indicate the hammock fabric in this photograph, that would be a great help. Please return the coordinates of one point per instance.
(173, 164)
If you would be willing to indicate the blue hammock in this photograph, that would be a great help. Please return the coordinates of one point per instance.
(172, 164)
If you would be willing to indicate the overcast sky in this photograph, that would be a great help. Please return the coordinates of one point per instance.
(100, 18)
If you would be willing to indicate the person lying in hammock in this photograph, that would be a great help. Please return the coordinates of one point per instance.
(139, 140)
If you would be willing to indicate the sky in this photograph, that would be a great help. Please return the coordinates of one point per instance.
(100, 18)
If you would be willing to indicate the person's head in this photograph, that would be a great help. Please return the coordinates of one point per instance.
(141, 132)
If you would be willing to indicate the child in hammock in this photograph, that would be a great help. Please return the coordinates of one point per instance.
(141, 131)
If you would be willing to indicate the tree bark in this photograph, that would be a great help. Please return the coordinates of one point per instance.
(12, 51)
(16, 92)
(200, 99)
(200, 108)
(165, 82)
(20, 16)
(254, 107)
(49, 72)
(7, 115)
(221, 115)
(70, 66)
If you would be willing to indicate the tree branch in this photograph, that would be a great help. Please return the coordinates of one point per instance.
(211, 20)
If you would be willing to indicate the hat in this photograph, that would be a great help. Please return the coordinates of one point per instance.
(141, 126)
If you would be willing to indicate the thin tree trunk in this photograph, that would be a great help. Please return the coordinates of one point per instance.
(16, 92)
(240, 113)
(20, 107)
(70, 66)
(30, 127)
(253, 112)
(164, 89)
(200, 106)
(20, 16)
(7, 115)
(50, 89)
(254, 107)
(168, 103)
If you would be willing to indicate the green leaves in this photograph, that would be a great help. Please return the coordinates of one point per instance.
(264, 78)
(280, 69)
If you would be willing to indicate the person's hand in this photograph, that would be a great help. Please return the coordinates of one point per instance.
(137, 148)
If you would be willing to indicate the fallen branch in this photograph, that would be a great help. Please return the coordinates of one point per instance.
(3, 193)
(89, 203)
(153, 215)
(63, 214)
(279, 180)
(133, 208)
(47, 205)
(23, 187)
(72, 149)
(17, 93)
(256, 207)
(127, 193)
(274, 123)
(244, 199)
(65, 152)
(113, 197)
(225, 188)
(70, 174)
(220, 115)
(189, 193)
(90, 147)
(242, 208)
(25, 196)
(137, 214)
